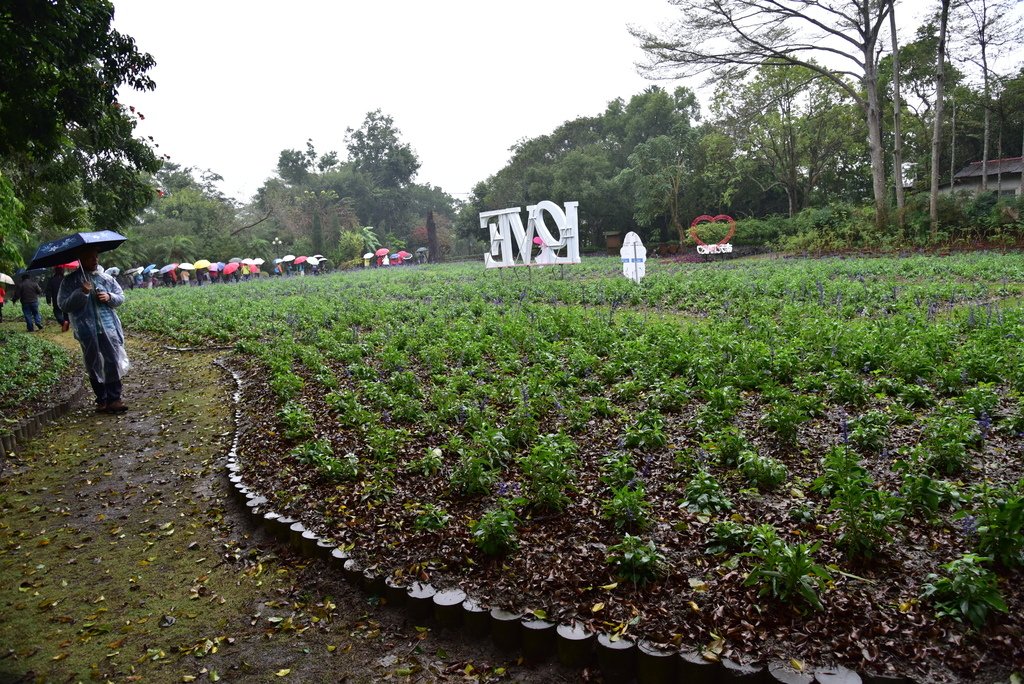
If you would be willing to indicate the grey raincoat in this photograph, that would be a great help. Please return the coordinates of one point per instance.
(95, 324)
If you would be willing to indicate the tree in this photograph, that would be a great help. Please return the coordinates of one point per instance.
(791, 122)
(376, 149)
(728, 38)
(940, 81)
(989, 31)
(65, 141)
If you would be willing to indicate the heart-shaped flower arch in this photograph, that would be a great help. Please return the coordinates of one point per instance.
(704, 218)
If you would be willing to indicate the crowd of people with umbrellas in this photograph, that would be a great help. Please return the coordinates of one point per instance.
(206, 272)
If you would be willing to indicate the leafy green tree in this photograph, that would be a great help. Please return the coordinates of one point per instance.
(66, 143)
(792, 123)
(376, 149)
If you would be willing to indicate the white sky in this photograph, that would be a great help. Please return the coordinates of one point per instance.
(238, 81)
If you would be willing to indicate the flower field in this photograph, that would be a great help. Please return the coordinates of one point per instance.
(820, 460)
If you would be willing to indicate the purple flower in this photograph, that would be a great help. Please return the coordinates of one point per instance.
(968, 526)
(844, 431)
(984, 424)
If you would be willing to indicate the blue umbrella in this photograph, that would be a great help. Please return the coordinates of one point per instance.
(65, 249)
(151, 267)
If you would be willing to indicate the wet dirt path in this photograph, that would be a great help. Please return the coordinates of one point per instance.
(123, 558)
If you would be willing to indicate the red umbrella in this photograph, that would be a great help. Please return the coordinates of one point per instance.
(382, 251)
(231, 268)
(404, 254)
(70, 266)
(254, 269)
(300, 260)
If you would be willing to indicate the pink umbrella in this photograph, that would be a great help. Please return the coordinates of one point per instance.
(382, 251)
(254, 269)
(231, 268)
(404, 254)
(300, 260)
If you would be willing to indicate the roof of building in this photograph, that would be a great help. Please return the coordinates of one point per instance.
(995, 167)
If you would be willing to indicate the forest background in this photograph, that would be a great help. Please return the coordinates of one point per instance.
(793, 147)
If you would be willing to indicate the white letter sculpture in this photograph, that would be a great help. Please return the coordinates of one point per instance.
(508, 236)
(634, 257)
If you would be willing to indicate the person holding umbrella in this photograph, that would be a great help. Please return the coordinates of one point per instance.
(52, 288)
(90, 296)
(28, 292)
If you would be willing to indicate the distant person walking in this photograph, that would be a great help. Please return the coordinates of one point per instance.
(52, 289)
(3, 293)
(28, 291)
(90, 296)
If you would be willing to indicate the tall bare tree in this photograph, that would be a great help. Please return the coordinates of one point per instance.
(730, 37)
(940, 84)
(988, 29)
(897, 129)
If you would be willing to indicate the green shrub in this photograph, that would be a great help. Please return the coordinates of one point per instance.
(869, 432)
(704, 494)
(473, 476)
(967, 591)
(298, 422)
(636, 560)
(647, 431)
(627, 508)
(431, 517)
(763, 472)
(548, 471)
(787, 571)
(1000, 525)
(495, 533)
(616, 470)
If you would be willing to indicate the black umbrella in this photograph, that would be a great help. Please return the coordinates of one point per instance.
(65, 249)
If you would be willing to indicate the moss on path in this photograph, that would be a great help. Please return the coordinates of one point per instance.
(123, 558)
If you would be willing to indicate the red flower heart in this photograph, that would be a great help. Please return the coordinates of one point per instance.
(704, 218)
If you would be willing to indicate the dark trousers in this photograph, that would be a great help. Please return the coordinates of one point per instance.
(106, 391)
(59, 315)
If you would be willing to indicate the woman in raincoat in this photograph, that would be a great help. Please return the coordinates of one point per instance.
(89, 297)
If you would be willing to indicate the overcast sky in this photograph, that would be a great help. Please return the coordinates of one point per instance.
(238, 81)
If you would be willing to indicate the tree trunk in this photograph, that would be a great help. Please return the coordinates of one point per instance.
(940, 82)
(952, 143)
(897, 134)
(874, 121)
(433, 253)
(988, 126)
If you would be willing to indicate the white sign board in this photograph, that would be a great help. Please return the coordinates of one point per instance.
(510, 241)
(634, 257)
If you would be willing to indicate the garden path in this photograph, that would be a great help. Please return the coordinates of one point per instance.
(123, 558)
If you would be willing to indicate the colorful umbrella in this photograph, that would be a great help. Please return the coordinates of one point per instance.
(151, 267)
(187, 267)
(59, 251)
(70, 266)
(383, 251)
(300, 260)
(168, 267)
(202, 263)
(231, 268)
(254, 269)
(4, 278)
(404, 254)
